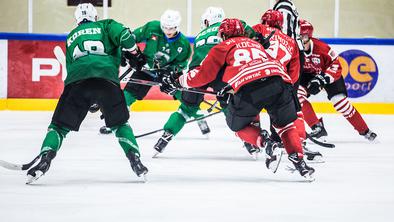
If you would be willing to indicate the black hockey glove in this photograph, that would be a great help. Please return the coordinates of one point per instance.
(264, 41)
(169, 82)
(317, 83)
(136, 61)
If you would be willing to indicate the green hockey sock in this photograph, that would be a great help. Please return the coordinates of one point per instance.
(175, 123)
(129, 97)
(126, 138)
(178, 119)
(54, 138)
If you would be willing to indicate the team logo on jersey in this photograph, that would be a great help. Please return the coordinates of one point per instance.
(316, 60)
(360, 72)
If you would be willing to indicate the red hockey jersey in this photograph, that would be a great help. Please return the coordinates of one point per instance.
(244, 60)
(282, 48)
(322, 59)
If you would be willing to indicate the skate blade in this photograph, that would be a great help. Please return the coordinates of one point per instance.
(275, 165)
(155, 155)
(31, 179)
(255, 156)
(307, 177)
(316, 159)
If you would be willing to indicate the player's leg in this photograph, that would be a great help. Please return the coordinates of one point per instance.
(309, 114)
(284, 114)
(337, 94)
(69, 114)
(133, 92)
(116, 115)
(242, 111)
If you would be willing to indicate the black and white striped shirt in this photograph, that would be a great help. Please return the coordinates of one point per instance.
(290, 20)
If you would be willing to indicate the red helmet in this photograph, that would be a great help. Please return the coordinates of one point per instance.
(231, 28)
(306, 28)
(272, 18)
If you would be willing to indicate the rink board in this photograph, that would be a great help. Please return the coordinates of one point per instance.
(32, 79)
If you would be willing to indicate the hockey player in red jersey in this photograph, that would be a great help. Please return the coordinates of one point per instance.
(257, 82)
(322, 70)
(285, 49)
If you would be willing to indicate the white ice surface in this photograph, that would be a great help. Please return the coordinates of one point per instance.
(195, 179)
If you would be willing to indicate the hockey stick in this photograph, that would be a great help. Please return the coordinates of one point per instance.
(153, 83)
(190, 121)
(320, 143)
(13, 166)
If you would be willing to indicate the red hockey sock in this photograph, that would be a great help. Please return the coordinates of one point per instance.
(250, 134)
(309, 114)
(351, 114)
(300, 125)
(291, 140)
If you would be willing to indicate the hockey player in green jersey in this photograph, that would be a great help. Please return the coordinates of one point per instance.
(204, 41)
(93, 55)
(165, 48)
(190, 102)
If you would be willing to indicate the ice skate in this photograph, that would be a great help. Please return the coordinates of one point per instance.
(369, 135)
(105, 130)
(273, 152)
(300, 166)
(318, 131)
(162, 142)
(136, 165)
(252, 150)
(41, 168)
(204, 127)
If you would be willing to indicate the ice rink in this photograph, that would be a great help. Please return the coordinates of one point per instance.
(195, 179)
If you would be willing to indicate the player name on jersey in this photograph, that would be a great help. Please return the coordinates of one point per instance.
(88, 31)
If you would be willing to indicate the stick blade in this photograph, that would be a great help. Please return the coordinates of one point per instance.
(10, 166)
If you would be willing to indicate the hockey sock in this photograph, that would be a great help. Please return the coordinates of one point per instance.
(343, 106)
(175, 123)
(309, 114)
(300, 125)
(130, 99)
(250, 134)
(54, 138)
(291, 139)
(126, 138)
(178, 119)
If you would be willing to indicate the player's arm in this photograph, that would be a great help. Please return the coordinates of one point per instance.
(208, 70)
(293, 68)
(122, 37)
(333, 69)
(142, 33)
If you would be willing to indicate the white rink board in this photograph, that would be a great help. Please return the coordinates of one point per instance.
(384, 89)
(3, 68)
(194, 179)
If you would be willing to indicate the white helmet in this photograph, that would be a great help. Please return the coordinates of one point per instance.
(170, 21)
(85, 11)
(212, 15)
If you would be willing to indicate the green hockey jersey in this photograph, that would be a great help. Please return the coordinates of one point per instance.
(93, 50)
(207, 39)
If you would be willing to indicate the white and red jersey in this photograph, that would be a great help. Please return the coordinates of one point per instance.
(244, 60)
(282, 48)
(322, 59)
